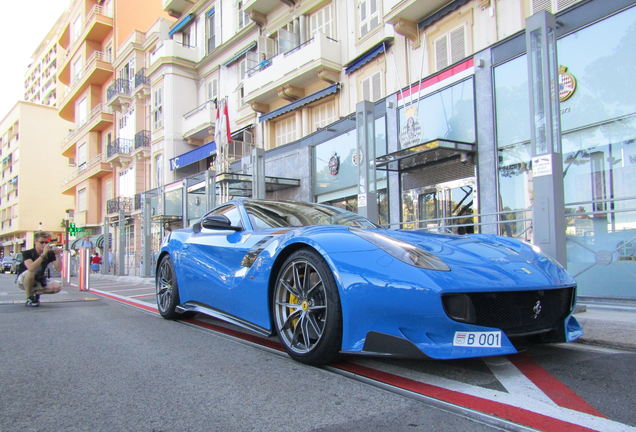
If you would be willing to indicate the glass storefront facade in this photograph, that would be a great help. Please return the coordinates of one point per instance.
(598, 123)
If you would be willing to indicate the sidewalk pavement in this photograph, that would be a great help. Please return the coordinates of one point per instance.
(605, 322)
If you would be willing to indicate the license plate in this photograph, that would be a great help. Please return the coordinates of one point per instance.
(478, 339)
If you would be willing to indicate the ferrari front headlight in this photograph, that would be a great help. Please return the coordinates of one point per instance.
(405, 252)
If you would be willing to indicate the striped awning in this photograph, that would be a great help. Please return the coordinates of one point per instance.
(300, 102)
(183, 23)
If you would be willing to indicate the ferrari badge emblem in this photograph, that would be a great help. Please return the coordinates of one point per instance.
(536, 310)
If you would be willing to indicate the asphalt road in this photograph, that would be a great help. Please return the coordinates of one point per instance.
(100, 366)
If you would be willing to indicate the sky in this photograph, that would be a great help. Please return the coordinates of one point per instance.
(23, 25)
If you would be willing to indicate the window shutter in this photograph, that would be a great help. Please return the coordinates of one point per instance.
(376, 86)
(366, 91)
(457, 44)
(562, 4)
(441, 53)
(538, 5)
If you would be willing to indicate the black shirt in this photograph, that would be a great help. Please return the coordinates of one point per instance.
(40, 274)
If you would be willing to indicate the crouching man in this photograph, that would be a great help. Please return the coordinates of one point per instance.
(32, 275)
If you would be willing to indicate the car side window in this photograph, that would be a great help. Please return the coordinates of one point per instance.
(232, 213)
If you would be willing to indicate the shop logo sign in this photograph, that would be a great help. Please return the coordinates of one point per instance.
(567, 84)
(411, 131)
(334, 164)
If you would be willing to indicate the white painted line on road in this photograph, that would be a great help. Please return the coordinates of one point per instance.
(516, 383)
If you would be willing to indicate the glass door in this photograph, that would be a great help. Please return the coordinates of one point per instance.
(447, 207)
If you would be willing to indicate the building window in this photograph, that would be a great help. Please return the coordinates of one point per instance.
(76, 28)
(243, 16)
(213, 89)
(82, 112)
(81, 156)
(450, 48)
(369, 16)
(81, 200)
(288, 37)
(324, 114)
(77, 67)
(550, 5)
(285, 130)
(157, 109)
(323, 21)
(371, 87)
(211, 31)
(159, 170)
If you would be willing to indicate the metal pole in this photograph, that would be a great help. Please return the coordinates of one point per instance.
(258, 173)
(548, 215)
(121, 250)
(106, 258)
(147, 236)
(365, 160)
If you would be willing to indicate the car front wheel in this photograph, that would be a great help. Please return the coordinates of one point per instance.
(306, 309)
(167, 289)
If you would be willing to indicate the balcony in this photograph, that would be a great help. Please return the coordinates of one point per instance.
(198, 124)
(119, 152)
(176, 7)
(100, 118)
(142, 84)
(172, 49)
(119, 205)
(142, 144)
(95, 168)
(99, 25)
(118, 94)
(406, 15)
(262, 7)
(318, 58)
(97, 71)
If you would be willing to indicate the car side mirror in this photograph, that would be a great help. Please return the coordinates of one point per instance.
(218, 222)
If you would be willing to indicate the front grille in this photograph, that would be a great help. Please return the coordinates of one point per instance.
(514, 312)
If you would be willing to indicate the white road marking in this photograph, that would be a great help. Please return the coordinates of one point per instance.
(514, 381)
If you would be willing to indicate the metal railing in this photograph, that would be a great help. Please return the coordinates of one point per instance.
(142, 139)
(141, 78)
(121, 86)
(119, 146)
(119, 204)
(510, 223)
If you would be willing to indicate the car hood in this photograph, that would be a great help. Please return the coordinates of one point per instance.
(488, 256)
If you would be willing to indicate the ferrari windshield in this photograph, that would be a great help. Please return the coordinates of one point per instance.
(275, 214)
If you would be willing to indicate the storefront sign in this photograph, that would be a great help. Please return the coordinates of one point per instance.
(334, 164)
(542, 165)
(567, 84)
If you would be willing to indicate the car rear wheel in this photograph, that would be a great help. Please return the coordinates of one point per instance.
(167, 289)
(306, 309)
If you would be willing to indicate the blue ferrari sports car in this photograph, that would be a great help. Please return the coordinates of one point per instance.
(328, 281)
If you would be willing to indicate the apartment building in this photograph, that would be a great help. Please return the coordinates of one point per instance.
(448, 82)
(40, 84)
(91, 37)
(31, 162)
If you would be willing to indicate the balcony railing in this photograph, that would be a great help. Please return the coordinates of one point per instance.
(119, 204)
(142, 139)
(119, 87)
(198, 122)
(119, 146)
(141, 78)
(171, 48)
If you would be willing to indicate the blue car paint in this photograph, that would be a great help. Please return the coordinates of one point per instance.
(377, 291)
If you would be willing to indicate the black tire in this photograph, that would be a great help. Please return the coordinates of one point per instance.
(167, 289)
(306, 309)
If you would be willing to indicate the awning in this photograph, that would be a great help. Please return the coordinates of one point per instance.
(193, 156)
(300, 102)
(210, 12)
(181, 24)
(240, 54)
(441, 13)
(367, 56)
(422, 154)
